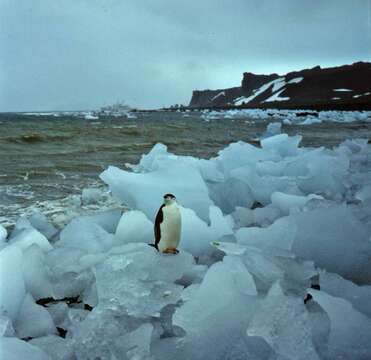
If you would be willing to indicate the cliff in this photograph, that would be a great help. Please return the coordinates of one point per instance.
(336, 87)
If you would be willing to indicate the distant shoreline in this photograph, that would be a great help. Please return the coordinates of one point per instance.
(272, 106)
(280, 106)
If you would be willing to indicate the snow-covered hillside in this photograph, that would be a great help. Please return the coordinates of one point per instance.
(347, 86)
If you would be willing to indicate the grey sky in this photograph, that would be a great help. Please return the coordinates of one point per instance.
(82, 54)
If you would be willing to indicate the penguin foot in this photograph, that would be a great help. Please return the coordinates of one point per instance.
(170, 251)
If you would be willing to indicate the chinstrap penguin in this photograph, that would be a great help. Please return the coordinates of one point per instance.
(168, 226)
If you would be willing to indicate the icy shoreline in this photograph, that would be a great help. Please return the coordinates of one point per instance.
(290, 117)
(262, 228)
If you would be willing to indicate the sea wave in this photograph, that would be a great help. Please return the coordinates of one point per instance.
(33, 138)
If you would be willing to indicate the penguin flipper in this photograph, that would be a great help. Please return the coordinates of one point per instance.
(157, 229)
(155, 246)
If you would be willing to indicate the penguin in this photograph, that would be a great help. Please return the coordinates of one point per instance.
(167, 226)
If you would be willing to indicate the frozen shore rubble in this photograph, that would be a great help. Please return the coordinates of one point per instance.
(263, 230)
(288, 117)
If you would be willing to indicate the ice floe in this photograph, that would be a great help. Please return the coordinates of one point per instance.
(289, 117)
(273, 264)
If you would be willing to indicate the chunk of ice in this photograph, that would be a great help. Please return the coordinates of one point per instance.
(6, 327)
(281, 234)
(91, 196)
(283, 322)
(149, 162)
(272, 129)
(41, 223)
(36, 274)
(12, 287)
(265, 271)
(82, 234)
(358, 296)
(326, 234)
(134, 226)
(63, 260)
(58, 311)
(265, 216)
(263, 186)
(364, 194)
(348, 339)
(15, 349)
(243, 217)
(105, 334)
(145, 191)
(227, 283)
(90, 295)
(240, 154)
(21, 224)
(56, 347)
(3, 234)
(136, 344)
(135, 277)
(282, 144)
(70, 278)
(108, 220)
(285, 202)
(29, 236)
(218, 312)
(325, 173)
(33, 320)
(230, 194)
(196, 235)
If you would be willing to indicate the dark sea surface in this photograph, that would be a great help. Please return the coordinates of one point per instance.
(45, 158)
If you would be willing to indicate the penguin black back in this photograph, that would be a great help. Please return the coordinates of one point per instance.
(157, 229)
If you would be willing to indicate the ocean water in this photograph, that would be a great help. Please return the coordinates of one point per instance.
(45, 159)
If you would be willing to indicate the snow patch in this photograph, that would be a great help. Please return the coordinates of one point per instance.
(218, 95)
(296, 80)
(277, 84)
(276, 97)
(342, 90)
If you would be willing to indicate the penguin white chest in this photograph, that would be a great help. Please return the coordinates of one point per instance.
(170, 227)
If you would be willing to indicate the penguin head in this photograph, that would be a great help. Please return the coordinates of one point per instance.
(169, 199)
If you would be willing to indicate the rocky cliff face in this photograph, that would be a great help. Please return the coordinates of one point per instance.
(252, 81)
(348, 85)
(219, 97)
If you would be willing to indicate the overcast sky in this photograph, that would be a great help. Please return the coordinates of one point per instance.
(82, 54)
